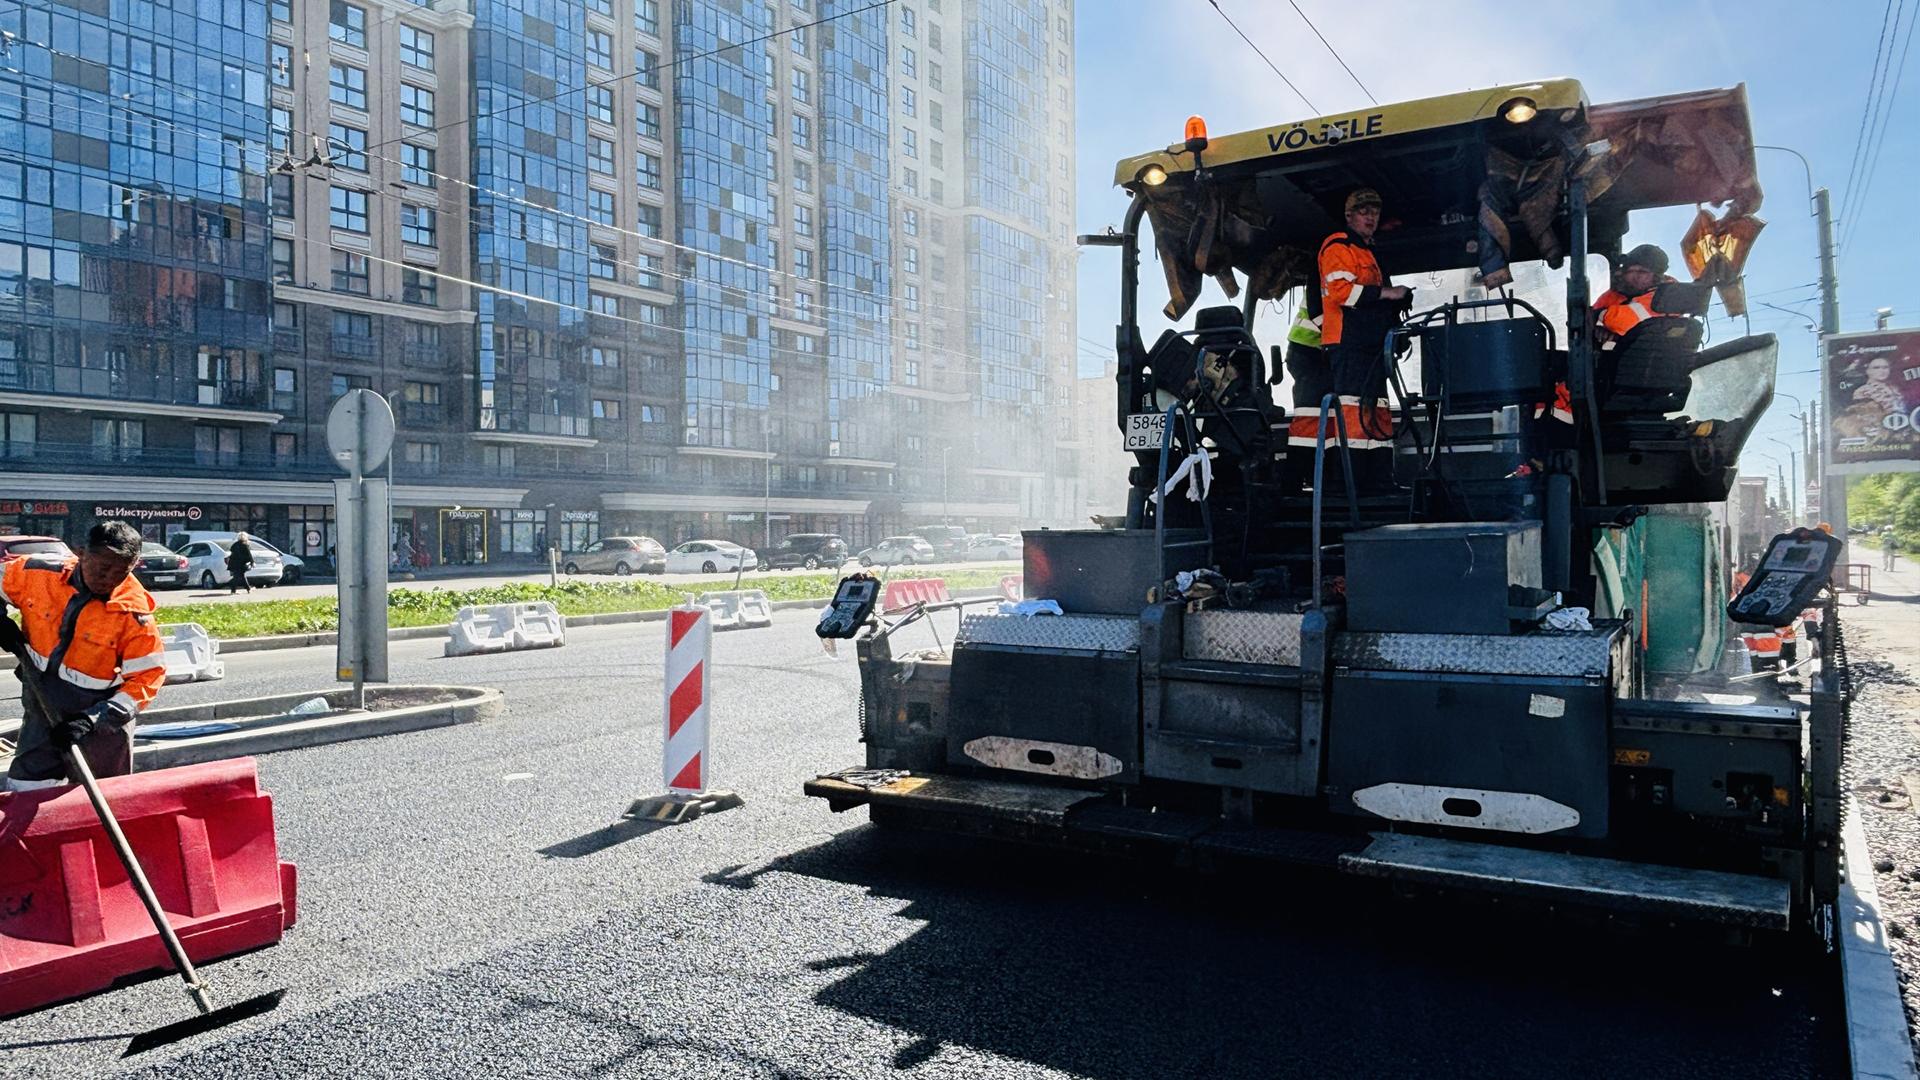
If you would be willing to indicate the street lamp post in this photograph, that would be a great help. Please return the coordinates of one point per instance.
(766, 489)
(1793, 461)
(946, 507)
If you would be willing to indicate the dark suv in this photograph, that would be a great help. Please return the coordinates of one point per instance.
(809, 550)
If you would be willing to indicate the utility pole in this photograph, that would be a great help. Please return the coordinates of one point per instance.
(1833, 489)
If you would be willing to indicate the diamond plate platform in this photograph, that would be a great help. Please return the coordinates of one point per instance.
(1243, 637)
(1095, 633)
(1571, 654)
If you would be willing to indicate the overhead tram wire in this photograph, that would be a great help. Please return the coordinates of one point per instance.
(1335, 52)
(594, 84)
(1215, 4)
(1880, 140)
(1875, 80)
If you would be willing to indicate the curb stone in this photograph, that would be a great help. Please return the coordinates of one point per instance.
(1879, 1045)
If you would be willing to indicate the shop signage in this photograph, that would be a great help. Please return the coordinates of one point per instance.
(740, 517)
(46, 509)
(313, 539)
(147, 513)
(464, 515)
(579, 515)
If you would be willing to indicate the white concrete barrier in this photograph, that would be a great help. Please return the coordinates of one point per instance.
(506, 627)
(193, 655)
(738, 609)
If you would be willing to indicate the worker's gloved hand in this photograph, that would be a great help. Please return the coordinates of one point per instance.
(112, 712)
(11, 639)
(73, 729)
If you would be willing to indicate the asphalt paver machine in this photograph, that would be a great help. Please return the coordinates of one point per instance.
(1270, 662)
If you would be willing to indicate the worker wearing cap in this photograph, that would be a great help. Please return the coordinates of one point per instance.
(87, 640)
(1630, 301)
(1359, 305)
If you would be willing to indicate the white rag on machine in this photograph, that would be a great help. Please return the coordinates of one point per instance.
(1200, 466)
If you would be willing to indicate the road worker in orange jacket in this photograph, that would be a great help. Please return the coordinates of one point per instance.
(88, 642)
(1630, 301)
(1359, 305)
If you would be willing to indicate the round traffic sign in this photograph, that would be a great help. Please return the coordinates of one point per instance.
(360, 431)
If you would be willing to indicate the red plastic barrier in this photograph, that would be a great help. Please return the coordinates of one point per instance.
(906, 592)
(71, 924)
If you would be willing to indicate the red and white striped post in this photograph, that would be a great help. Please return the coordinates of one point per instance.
(685, 750)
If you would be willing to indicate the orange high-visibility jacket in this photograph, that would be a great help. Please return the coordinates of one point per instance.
(1350, 283)
(115, 653)
(1618, 313)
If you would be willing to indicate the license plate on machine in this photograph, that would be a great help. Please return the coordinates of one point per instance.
(1146, 431)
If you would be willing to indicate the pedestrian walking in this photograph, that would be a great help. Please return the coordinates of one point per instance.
(239, 561)
(1889, 550)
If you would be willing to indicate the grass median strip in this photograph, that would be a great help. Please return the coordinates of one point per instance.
(430, 607)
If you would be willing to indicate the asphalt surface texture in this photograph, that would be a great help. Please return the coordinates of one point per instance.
(470, 904)
(482, 579)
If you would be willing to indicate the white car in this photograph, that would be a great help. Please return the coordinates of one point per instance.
(895, 550)
(710, 557)
(993, 549)
(207, 564)
(292, 567)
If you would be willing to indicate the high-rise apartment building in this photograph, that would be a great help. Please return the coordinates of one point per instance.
(727, 268)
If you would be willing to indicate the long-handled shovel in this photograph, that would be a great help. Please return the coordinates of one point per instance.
(209, 1017)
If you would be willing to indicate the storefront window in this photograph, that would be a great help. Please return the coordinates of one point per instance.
(310, 531)
(520, 531)
(578, 528)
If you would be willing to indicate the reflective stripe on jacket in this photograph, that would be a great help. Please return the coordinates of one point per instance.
(115, 653)
(1616, 313)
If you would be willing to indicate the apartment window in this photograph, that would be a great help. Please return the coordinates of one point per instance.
(280, 130)
(909, 64)
(803, 264)
(420, 287)
(604, 358)
(646, 120)
(913, 335)
(338, 386)
(802, 87)
(803, 221)
(910, 221)
(803, 306)
(497, 459)
(933, 37)
(416, 47)
(347, 24)
(216, 445)
(1060, 62)
(936, 116)
(603, 303)
(799, 39)
(350, 272)
(647, 271)
(909, 101)
(347, 85)
(113, 440)
(600, 155)
(646, 68)
(933, 75)
(286, 316)
(606, 408)
(653, 314)
(936, 154)
(648, 221)
(936, 189)
(909, 143)
(910, 180)
(281, 10)
(600, 49)
(910, 297)
(913, 443)
(420, 393)
(802, 133)
(601, 7)
(354, 324)
(280, 64)
(910, 259)
(802, 177)
(646, 16)
(347, 209)
(600, 206)
(282, 259)
(286, 381)
(912, 374)
(416, 105)
(19, 433)
(416, 164)
(286, 447)
(423, 457)
(601, 260)
(646, 169)
(600, 104)
(347, 146)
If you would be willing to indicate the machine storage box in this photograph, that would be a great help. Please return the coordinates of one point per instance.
(1440, 578)
(1105, 571)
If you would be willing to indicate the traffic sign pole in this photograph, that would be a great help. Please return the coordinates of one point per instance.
(360, 437)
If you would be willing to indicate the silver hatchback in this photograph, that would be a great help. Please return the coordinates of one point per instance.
(620, 555)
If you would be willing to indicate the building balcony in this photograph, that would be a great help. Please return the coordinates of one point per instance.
(289, 339)
(286, 402)
(420, 415)
(351, 346)
(423, 355)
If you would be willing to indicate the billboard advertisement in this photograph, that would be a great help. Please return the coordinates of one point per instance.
(1873, 401)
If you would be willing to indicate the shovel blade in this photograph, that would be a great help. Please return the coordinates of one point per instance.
(194, 1025)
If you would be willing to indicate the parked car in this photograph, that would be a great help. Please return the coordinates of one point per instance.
(159, 567)
(947, 541)
(809, 550)
(620, 555)
(993, 548)
(894, 550)
(709, 557)
(207, 563)
(13, 547)
(292, 567)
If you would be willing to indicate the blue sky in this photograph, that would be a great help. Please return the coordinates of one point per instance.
(1145, 65)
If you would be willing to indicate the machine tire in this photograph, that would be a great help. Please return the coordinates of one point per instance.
(571, 568)
(290, 577)
(708, 567)
(206, 580)
(864, 561)
(621, 569)
(810, 563)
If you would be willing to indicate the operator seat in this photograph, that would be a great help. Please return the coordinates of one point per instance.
(1219, 359)
(1648, 372)
(1655, 453)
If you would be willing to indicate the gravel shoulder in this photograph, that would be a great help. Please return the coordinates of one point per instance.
(1883, 758)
